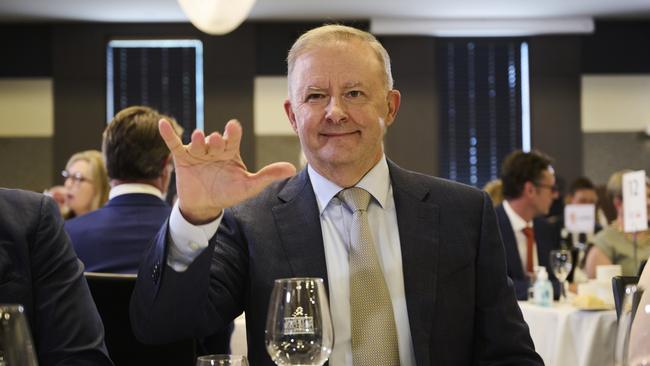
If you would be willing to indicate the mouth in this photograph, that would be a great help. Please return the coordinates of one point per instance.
(339, 134)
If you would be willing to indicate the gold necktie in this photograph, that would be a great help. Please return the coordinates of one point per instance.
(374, 335)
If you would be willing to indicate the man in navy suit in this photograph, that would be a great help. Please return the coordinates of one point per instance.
(39, 270)
(113, 238)
(528, 190)
(232, 232)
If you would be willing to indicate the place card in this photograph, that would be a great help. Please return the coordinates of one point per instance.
(635, 212)
(580, 218)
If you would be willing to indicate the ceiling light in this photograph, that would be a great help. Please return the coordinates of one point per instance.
(481, 27)
(216, 16)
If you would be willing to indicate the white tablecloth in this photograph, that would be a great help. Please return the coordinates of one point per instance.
(563, 335)
(566, 336)
(238, 344)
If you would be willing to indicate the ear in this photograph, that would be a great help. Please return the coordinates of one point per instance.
(529, 189)
(393, 99)
(288, 109)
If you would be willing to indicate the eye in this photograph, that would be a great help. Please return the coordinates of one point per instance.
(314, 97)
(354, 94)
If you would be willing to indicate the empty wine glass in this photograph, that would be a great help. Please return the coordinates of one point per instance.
(16, 346)
(561, 263)
(298, 325)
(628, 309)
(222, 360)
(638, 352)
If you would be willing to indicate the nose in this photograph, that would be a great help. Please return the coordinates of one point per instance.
(335, 111)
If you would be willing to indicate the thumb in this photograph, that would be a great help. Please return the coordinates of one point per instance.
(271, 173)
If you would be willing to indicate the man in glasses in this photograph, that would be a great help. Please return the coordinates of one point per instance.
(528, 190)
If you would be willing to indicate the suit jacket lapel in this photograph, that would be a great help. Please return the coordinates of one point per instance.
(418, 223)
(298, 224)
(515, 269)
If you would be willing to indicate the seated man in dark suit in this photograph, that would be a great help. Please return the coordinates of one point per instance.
(113, 238)
(39, 270)
(414, 265)
(528, 191)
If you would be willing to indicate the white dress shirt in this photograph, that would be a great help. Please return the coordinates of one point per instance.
(128, 188)
(518, 224)
(335, 218)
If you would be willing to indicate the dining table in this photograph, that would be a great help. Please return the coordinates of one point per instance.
(565, 335)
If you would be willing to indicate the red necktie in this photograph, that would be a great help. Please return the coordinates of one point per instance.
(530, 243)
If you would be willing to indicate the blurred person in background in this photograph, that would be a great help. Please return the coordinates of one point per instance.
(139, 164)
(614, 246)
(86, 183)
(582, 191)
(112, 238)
(529, 190)
(40, 271)
(494, 189)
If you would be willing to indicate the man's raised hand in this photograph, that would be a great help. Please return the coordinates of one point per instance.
(210, 174)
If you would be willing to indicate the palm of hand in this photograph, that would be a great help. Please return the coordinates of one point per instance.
(210, 174)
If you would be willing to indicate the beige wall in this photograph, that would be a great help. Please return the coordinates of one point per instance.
(275, 140)
(26, 107)
(615, 103)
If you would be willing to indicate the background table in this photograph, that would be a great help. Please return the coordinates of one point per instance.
(566, 336)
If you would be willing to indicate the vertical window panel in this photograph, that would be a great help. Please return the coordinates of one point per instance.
(481, 99)
(163, 74)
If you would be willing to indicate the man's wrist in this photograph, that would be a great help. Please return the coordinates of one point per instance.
(200, 217)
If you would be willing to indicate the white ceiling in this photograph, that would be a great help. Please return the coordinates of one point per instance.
(169, 10)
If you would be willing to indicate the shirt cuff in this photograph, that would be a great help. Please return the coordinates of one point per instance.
(187, 241)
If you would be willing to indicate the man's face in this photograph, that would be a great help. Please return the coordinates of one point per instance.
(584, 196)
(340, 107)
(545, 193)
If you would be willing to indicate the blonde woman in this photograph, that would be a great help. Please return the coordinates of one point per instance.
(86, 182)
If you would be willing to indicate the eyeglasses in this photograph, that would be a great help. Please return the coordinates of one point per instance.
(77, 178)
(552, 187)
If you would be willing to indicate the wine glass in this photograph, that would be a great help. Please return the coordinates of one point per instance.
(16, 346)
(638, 352)
(625, 319)
(561, 263)
(222, 360)
(298, 325)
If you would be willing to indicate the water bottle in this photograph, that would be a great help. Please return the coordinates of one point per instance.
(543, 289)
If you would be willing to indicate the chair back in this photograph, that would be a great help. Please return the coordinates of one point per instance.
(618, 285)
(112, 294)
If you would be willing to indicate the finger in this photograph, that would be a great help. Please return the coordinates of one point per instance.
(232, 135)
(170, 137)
(197, 146)
(215, 144)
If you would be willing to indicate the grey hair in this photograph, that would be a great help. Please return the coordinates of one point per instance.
(337, 33)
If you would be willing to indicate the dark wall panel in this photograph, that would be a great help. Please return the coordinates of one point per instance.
(617, 47)
(79, 72)
(274, 39)
(78, 65)
(412, 141)
(555, 102)
(26, 51)
(607, 152)
(26, 163)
